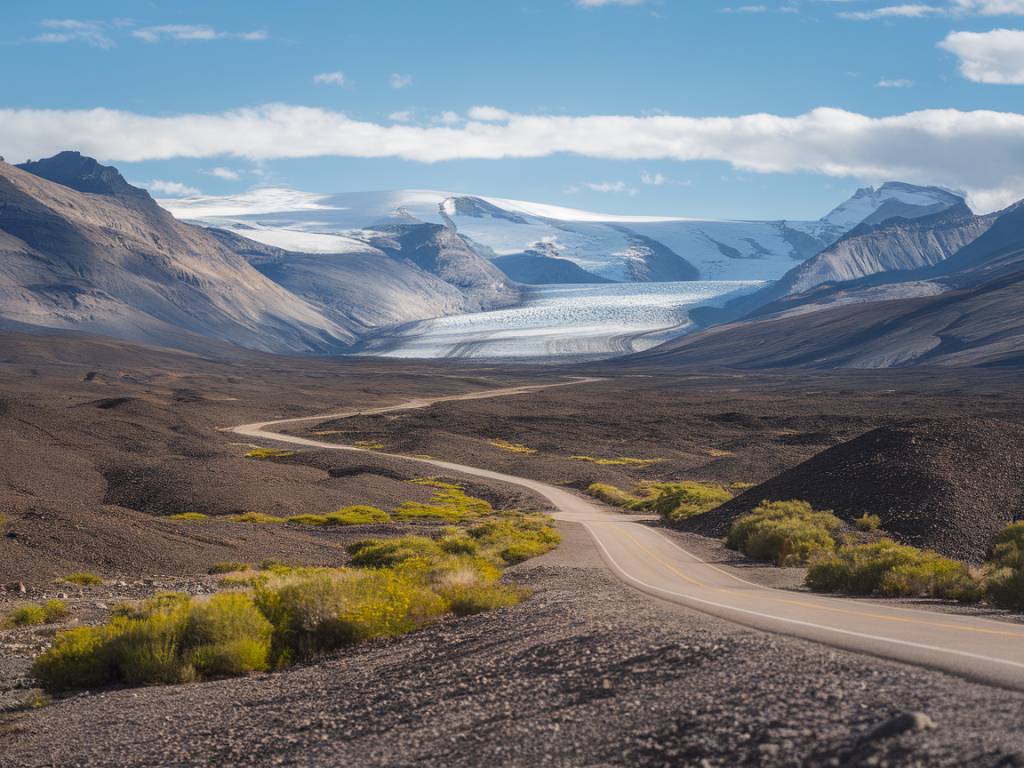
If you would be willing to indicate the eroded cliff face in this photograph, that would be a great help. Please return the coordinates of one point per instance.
(896, 246)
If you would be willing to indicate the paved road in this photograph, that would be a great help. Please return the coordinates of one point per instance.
(980, 649)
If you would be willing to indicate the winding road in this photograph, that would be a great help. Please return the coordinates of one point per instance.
(985, 650)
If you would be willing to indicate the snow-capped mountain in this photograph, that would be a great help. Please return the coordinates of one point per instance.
(535, 240)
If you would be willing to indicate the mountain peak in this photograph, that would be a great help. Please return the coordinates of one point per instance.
(82, 173)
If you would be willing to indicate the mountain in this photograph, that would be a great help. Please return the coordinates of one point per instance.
(967, 310)
(81, 248)
(533, 240)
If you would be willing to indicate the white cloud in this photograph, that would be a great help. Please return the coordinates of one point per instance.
(448, 118)
(224, 173)
(489, 114)
(990, 7)
(653, 179)
(612, 187)
(402, 116)
(400, 81)
(894, 83)
(974, 151)
(192, 32)
(911, 11)
(989, 57)
(330, 78)
(73, 30)
(746, 9)
(171, 188)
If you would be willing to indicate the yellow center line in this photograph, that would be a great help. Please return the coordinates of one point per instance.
(815, 603)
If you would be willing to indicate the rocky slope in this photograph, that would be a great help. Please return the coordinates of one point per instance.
(87, 251)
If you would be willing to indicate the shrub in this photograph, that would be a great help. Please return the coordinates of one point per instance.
(54, 610)
(308, 519)
(1004, 583)
(892, 570)
(269, 453)
(609, 494)
(384, 553)
(168, 639)
(512, 540)
(867, 522)
(741, 486)
(227, 567)
(505, 445)
(27, 616)
(621, 461)
(449, 502)
(256, 517)
(466, 600)
(83, 579)
(358, 514)
(369, 445)
(318, 613)
(196, 516)
(679, 501)
(784, 532)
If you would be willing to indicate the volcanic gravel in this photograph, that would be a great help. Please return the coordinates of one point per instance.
(587, 672)
(948, 484)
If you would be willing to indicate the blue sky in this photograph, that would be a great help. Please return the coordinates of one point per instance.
(928, 92)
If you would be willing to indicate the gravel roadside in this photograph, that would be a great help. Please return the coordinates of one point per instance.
(587, 672)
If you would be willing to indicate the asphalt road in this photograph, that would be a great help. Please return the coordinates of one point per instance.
(973, 647)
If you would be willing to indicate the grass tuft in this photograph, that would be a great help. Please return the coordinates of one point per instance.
(190, 516)
(228, 567)
(83, 579)
(269, 453)
(682, 500)
(505, 445)
(868, 523)
(359, 514)
(610, 494)
(621, 461)
(369, 445)
(256, 517)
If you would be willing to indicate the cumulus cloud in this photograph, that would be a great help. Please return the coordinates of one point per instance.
(976, 151)
(170, 188)
(402, 116)
(73, 30)
(224, 173)
(400, 81)
(990, 7)
(192, 32)
(894, 83)
(989, 57)
(330, 78)
(653, 179)
(489, 114)
(910, 11)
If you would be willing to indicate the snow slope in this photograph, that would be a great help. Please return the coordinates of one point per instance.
(612, 247)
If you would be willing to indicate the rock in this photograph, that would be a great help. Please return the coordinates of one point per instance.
(899, 724)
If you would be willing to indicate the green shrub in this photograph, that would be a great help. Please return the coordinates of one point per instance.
(269, 453)
(358, 514)
(227, 567)
(867, 523)
(27, 616)
(621, 461)
(784, 532)
(891, 570)
(511, 540)
(1004, 583)
(449, 502)
(682, 500)
(168, 639)
(259, 518)
(194, 516)
(317, 613)
(54, 611)
(308, 519)
(466, 600)
(505, 445)
(1008, 547)
(83, 579)
(609, 494)
(384, 553)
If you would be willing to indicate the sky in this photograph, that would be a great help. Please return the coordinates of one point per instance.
(663, 107)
